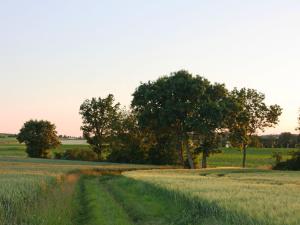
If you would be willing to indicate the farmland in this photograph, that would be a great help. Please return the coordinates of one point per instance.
(257, 157)
(62, 192)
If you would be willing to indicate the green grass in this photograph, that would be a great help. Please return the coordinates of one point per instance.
(48, 192)
(233, 196)
(256, 157)
(9, 147)
(96, 206)
(119, 200)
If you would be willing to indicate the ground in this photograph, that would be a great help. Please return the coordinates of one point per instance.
(58, 192)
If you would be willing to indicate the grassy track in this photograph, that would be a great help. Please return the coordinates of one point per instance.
(96, 206)
(118, 200)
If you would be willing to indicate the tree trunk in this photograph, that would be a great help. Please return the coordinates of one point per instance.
(204, 160)
(244, 155)
(98, 151)
(189, 155)
(180, 152)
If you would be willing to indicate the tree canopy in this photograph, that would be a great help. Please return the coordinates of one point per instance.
(39, 137)
(249, 115)
(100, 116)
(181, 104)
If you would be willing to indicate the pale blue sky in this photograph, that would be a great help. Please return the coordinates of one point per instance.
(54, 54)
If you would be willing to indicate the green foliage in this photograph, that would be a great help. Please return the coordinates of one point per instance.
(179, 105)
(39, 137)
(126, 145)
(249, 113)
(99, 120)
(77, 154)
(286, 140)
(277, 156)
(290, 164)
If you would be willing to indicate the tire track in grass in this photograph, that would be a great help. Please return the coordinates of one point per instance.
(143, 205)
(95, 206)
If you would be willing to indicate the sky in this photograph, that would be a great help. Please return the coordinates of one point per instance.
(55, 54)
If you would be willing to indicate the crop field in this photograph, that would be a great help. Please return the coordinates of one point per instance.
(64, 192)
(37, 191)
(230, 196)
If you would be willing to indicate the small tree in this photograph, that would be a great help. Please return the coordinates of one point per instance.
(99, 117)
(39, 137)
(250, 114)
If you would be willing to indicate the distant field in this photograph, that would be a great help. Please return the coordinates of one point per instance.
(256, 157)
(10, 147)
(261, 157)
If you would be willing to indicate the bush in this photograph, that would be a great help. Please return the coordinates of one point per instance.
(290, 164)
(77, 154)
(127, 154)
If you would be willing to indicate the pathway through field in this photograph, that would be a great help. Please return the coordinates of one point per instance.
(117, 200)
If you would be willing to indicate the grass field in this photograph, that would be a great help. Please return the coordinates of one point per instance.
(63, 192)
(261, 157)
(231, 196)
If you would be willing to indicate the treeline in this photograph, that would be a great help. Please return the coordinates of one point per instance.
(171, 121)
(283, 140)
(2, 135)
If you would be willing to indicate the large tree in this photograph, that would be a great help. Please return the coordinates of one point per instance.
(39, 137)
(249, 115)
(209, 119)
(165, 105)
(127, 142)
(179, 106)
(100, 117)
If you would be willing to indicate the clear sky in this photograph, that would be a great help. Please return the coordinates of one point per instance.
(54, 53)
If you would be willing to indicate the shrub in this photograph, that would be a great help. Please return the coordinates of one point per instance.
(77, 154)
(290, 164)
(127, 154)
(277, 156)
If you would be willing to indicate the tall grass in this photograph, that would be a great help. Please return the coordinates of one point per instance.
(17, 192)
(234, 196)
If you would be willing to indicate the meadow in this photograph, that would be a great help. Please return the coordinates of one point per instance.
(256, 157)
(64, 192)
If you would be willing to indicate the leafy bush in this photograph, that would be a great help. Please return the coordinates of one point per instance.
(77, 154)
(127, 154)
(39, 136)
(290, 164)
